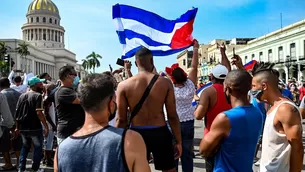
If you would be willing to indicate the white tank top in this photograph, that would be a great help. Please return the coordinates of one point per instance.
(275, 147)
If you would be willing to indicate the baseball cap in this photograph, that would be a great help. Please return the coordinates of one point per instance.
(220, 71)
(34, 81)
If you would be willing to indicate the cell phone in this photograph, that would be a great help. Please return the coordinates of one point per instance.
(233, 51)
(120, 62)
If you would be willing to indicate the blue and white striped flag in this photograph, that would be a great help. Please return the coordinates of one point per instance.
(136, 28)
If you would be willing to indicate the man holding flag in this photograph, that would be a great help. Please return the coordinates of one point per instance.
(145, 34)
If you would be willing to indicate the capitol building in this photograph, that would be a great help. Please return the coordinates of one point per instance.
(46, 38)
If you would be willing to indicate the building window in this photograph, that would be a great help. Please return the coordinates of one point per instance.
(44, 20)
(270, 55)
(50, 20)
(55, 21)
(292, 50)
(184, 63)
(189, 62)
(246, 58)
(260, 56)
(37, 19)
(253, 56)
(281, 55)
(32, 20)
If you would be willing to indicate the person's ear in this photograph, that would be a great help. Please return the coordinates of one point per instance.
(264, 86)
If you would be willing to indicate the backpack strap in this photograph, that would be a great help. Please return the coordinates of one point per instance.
(123, 151)
(143, 98)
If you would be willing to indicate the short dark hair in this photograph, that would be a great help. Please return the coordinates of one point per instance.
(4, 83)
(239, 80)
(65, 71)
(43, 75)
(94, 91)
(17, 79)
(276, 73)
(143, 52)
(179, 75)
(266, 73)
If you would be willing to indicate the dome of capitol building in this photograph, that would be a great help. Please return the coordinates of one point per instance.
(45, 37)
(43, 6)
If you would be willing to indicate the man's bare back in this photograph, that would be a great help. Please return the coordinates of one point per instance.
(130, 92)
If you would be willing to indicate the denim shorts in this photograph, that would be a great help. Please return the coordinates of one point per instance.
(48, 141)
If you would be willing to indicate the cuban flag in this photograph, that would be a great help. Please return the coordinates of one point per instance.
(250, 65)
(247, 66)
(136, 28)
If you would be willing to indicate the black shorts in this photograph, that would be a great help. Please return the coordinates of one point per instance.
(5, 140)
(159, 142)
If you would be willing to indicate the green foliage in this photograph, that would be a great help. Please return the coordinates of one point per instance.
(92, 61)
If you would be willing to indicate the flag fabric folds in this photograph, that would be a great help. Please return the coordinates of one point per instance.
(138, 28)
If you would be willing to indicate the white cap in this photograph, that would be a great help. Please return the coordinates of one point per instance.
(220, 71)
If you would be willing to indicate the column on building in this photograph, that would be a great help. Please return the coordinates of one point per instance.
(58, 36)
(63, 38)
(54, 35)
(47, 34)
(30, 34)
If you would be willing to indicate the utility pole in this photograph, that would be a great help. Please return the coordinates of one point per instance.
(281, 21)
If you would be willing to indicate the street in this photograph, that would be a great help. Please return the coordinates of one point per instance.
(199, 164)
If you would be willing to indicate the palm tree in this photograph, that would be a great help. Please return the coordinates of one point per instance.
(4, 67)
(93, 61)
(3, 49)
(23, 50)
(85, 64)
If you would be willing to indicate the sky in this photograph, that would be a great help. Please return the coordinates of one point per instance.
(89, 26)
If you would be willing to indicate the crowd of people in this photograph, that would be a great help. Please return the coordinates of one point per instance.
(102, 123)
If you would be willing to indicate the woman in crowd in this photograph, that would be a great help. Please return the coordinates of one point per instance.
(295, 92)
(185, 88)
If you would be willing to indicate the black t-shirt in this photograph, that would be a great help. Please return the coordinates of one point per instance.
(70, 116)
(26, 114)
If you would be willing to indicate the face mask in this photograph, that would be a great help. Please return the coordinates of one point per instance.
(227, 97)
(75, 81)
(112, 115)
(257, 94)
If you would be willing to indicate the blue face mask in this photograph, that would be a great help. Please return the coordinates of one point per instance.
(256, 93)
(75, 81)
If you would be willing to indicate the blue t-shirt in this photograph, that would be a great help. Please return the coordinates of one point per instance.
(287, 93)
(237, 151)
(260, 107)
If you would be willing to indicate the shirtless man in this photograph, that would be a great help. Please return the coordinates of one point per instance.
(150, 121)
(282, 148)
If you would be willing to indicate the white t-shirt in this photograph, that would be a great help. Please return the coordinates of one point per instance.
(184, 97)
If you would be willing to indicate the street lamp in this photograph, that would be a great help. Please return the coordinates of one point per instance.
(288, 64)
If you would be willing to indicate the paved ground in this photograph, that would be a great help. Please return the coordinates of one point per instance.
(199, 164)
